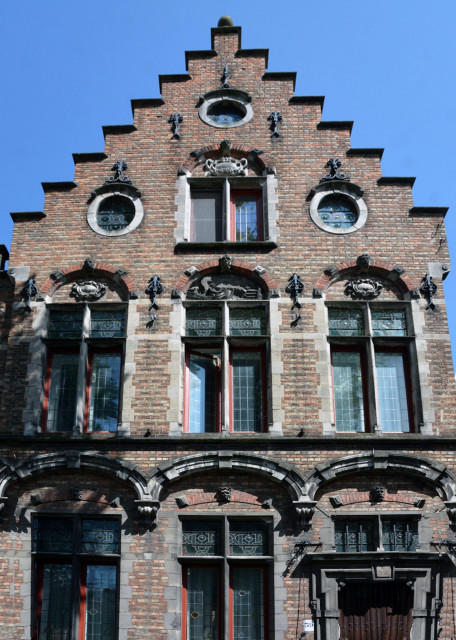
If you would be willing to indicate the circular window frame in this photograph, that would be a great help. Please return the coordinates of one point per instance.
(346, 191)
(239, 99)
(95, 205)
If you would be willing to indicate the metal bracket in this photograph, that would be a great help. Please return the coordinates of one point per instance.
(175, 120)
(153, 289)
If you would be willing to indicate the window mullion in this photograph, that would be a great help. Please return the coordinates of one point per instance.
(372, 398)
(226, 211)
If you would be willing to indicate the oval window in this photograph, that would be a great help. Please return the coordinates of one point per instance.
(115, 213)
(225, 113)
(337, 212)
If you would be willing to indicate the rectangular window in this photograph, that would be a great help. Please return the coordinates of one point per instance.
(370, 368)
(76, 594)
(382, 533)
(206, 223)
(353, 536)
(226, 383)
(246, 216)
(204, 600)
(68, 404)
(400, 535)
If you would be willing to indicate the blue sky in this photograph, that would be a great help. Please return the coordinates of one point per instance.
(70, 67)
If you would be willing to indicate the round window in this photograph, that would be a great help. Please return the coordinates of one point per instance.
(115, 213)
(338, 212)
(225, 113)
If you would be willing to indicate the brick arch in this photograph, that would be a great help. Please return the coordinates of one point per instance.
(263, 162)
(254, 272)
(385, 270)
(61, 277)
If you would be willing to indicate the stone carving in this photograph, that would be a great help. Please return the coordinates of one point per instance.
(87, 290)
(75, 493)
(224, 494)
(363, 261)
(89, 265)
(224, 287)
(226, 166)
(377, 494)
(225, 263)
(28, 292)
(363, 289)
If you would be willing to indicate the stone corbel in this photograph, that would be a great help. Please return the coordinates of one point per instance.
(304, 510)
(451, 510)
(148, 509)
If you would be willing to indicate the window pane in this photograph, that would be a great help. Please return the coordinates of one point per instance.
(104, 392)
(348, 391)
(400, 535)
(337, 212)
(203, 322)
(352, 536)
(206, 223)
(52, 534)
(202, 603)
(64, 324)
(56, 601)
(386, 322)
(248, 603)
(62, 392)
(200, 538)
(345, 322)
(246, 218)
(100, 609)
(247, 322)
(100, 536)
(107, 324)
(247, 391)
(392, 392)
(115, 212)
(248, 539)
(203, 385)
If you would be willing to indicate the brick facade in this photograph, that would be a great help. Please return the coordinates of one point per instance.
(300, 473)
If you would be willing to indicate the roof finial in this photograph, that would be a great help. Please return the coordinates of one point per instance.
(225, 21)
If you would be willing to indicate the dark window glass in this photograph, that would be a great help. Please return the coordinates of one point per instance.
(348, 390)
(107, 324)
(206, 224)
(64, 324)
(200, 538)
(115, 212)
(247, 322)
(100, 602)
(225, 113)
(386, 322)
(204, 368)
(247, 391)
(62, 392)
(400, 535)
(337, 212)
(202, 595)
(55, 603)
(104, 392)
(53, 534)
(203, 322)
(100, 536)
(248, 539)
(248, 602)
(345, 322)
(353, 536)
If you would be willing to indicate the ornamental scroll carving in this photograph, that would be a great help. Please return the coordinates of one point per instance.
(87, 290)
(363, 289)
(226, 166)
(223, 286)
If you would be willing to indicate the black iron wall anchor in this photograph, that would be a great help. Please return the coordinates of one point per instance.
(226, 75)
(334, 165)
(153, 289)
(275, 117)
(175, 120)
(28, 292)
(294, 288)
(428, 289)
(119, 167)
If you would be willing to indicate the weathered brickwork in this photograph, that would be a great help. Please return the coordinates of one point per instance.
(301, 475)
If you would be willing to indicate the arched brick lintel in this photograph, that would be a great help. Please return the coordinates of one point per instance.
(384, 270)
(239, 267)
(101, 269)
(263, 162)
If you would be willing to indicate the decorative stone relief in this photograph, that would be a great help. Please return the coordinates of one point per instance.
(225, 263)
(363, 289)
(226, 166)
(87, 290)
(224, 287)
(363, 261)
(224, 494)
(377, 494)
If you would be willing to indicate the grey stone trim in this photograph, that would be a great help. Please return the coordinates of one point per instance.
(128, 390)
(124, 192)
(420, 367)
(31, 416)
(277, 390)
(434, 473)
(346, 189)
(20, 273)
(176, 369)
(323, 364)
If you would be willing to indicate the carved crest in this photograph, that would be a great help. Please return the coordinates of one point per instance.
(363, 289)
(224, 286)
(87, 290)
(226, 166)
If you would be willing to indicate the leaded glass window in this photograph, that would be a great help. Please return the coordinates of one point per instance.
(203, 322)
(246, 217)
(248, 602)
(203, 601)
(225, 112)
(53, 534)
(247, 322)
(201, 538)
(62, 392)
(338, 212)
(100, 536)
(400, 535)
(104, 392)
(345, 322)
(388, 322)
(248, 539)
(247, 391)
(353, 536)
(348, 390)
(107, 324)
(115, 213)
(65, 325)
(392, 391)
